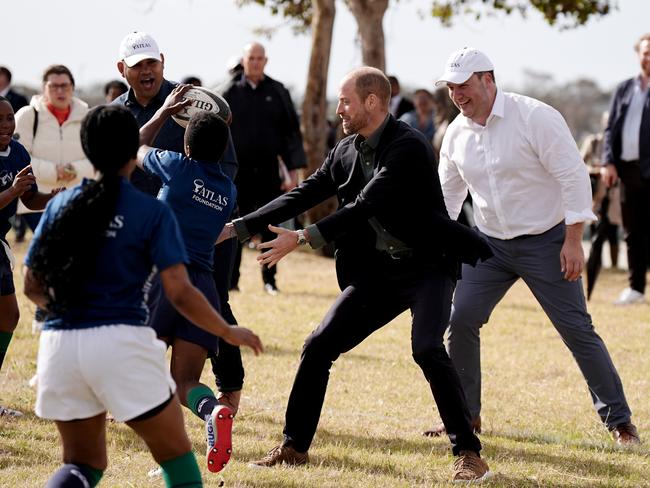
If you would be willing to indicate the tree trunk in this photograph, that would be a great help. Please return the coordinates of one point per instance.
(314, 108)
(369, 15)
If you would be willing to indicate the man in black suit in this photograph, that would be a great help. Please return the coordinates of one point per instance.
(399, 105)
(397, 249)
(264, 127)
(16, 100)
(626, 155)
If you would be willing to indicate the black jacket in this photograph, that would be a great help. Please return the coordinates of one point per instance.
(16, 100)
(264, 126)
(612, 143)
(404, 195)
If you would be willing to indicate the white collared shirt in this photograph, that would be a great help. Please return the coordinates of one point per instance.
(631, 134)
(523, 169)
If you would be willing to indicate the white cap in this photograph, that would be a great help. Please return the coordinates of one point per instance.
(462, 64)
(137, 46)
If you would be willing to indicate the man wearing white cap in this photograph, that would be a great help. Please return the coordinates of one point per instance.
(531, 195)
(141, 64)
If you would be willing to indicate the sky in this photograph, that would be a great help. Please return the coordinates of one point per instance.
(199, 37)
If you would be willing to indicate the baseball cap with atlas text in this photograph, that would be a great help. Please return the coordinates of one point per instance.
(462, 64)
(137, 46)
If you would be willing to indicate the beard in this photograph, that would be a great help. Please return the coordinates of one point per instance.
(356, 123)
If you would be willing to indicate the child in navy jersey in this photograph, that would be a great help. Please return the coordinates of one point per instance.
(202, 198)
(96, 335)
(16, 182)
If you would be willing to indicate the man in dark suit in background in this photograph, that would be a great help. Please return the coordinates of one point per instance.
(398, 104)
(626, 155)
(397, 249)
(264, 127)
(16, 100)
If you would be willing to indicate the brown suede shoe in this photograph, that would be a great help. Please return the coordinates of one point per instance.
(439, 429)
(626, 434)
(470, 468)
(282, 455)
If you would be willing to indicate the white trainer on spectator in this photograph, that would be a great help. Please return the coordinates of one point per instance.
(9, 412)
(629, 296)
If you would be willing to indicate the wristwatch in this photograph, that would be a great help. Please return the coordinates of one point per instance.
(301, 240)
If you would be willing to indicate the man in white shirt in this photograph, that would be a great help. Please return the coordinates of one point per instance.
(531, 195)
(626, 154)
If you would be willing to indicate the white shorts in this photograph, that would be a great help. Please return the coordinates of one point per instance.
(84, 372)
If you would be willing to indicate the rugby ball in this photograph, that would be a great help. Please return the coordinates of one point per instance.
(202, 99)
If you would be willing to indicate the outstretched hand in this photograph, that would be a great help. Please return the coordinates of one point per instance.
(283, 244)
(241, 336)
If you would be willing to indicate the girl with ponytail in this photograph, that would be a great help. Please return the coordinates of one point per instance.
(88, 265)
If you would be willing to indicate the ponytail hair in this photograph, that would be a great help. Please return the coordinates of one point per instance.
(67, 249)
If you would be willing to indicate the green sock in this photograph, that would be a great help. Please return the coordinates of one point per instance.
(5, 339)
(201, 401)
(92, 475)
(182, 471)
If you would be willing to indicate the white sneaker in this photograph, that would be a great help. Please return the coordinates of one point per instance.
(629, 296)
(8, 412)
(155, 472)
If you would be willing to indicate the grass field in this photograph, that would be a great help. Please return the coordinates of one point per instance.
(540, 428)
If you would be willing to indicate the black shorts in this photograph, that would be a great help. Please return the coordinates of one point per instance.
(6, 275)
(169, 323)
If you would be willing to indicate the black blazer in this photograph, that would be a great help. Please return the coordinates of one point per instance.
(612, 144)
(404, 195)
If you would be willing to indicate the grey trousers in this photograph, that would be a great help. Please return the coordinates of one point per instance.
(536, 260)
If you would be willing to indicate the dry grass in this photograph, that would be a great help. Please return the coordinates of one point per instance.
(540, 428)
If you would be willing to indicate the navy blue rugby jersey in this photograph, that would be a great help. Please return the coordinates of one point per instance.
(12, 160)
(201, 196)
(142, 234)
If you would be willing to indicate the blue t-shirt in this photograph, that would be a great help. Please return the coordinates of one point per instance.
(201, 196)
(12, 160)
(142, 234)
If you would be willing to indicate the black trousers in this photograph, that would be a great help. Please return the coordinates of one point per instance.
(227, 366)
(635, 206)
(268, 274)
(363, 308)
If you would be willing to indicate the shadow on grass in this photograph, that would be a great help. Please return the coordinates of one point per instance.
(586, 446)
(571, 466)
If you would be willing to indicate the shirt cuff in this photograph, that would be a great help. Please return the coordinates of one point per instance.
(242, 231)
(316, 239)
(586, 215)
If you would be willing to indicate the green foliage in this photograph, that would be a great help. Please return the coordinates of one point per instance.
(298, 12)
(564, 13)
